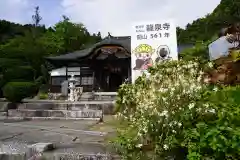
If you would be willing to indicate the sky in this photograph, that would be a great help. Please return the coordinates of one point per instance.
(114, 16)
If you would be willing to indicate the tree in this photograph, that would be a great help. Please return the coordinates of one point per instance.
(36, 17)
(52, 43)
(73, 36)
(203, 29)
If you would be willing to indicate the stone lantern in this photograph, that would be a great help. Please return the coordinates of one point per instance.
(72, 86)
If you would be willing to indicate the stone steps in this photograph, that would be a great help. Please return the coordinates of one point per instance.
(72, 107)
(98, 96)
(107, 107)
(62, 114)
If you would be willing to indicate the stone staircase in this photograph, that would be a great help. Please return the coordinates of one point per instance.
(62, 110)
(92, 105)
(98, 96)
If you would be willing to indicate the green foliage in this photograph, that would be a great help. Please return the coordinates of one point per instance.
(154, 104)
(199, 51)
(45, 74)
(217, 135)
(52, 43)
(9, 30)
(27, 45)
(16, 91)
(39, 81)
(6, 63)
(23, 73)
(203, 29)
(43, 96)
(2, 83)
(173, 113)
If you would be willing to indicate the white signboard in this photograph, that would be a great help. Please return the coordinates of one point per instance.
(152, 42)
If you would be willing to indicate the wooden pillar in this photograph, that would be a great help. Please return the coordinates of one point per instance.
(66, 69)
(80, 76)
(93, 85)
(50, 86)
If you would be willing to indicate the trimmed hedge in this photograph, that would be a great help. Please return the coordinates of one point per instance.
(16, 91)
(2, 82)
(6, 63)
(20, 73)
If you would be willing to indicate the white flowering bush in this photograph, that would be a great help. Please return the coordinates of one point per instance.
(165, 110)
(155, 105)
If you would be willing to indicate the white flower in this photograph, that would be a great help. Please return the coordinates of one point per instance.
(164, 113)
(139, 145)
(206, 105)
(179, 124)
(199, 109)
(212, 110)
(168, 69)
(165, 146)
(210, 64)
(201, 73)
(191, 105)
(199, 79)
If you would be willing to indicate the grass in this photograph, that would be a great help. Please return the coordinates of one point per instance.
(110, 125)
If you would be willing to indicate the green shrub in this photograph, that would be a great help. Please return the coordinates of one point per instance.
(2, 83)
(154, 105)
(216, 132)
(6, 63)
(39, 81)
(17, 91)
(173, 112)
(43, 96)
(199, 51)
(20, 73)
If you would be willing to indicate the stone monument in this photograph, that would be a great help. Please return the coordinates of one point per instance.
(72, 87)
(64, 88)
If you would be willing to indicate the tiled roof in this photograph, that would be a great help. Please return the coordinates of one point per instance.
(124, 42)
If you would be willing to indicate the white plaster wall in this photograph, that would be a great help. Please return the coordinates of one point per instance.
(62, 71)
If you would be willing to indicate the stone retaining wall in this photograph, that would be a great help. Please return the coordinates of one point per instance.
(108, 108)
(55, 113)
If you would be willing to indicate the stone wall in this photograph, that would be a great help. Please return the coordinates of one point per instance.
(55, 113)
(108, 108)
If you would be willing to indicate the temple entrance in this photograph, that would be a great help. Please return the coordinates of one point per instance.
(110, 75)
(115, 80)
(112, 65)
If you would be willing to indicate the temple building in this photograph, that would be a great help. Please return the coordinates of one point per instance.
(102, 67)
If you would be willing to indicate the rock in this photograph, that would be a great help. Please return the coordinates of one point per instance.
(12, 156)
(16, 150)
(42, 147)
